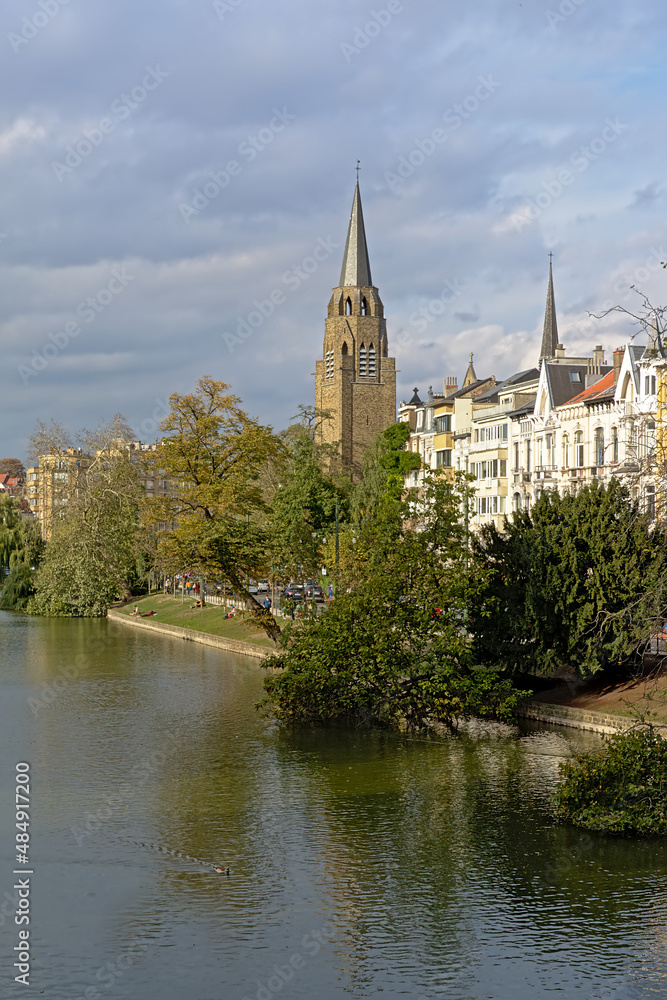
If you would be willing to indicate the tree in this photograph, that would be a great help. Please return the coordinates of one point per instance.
(95, 543)
(622, 790)
(213, 453)
(303, 507)
(48, 439)
(21, 548)
(12, 467)
(395, 650)
(576, 581)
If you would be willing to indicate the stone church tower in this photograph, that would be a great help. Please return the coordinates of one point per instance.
(355, 379)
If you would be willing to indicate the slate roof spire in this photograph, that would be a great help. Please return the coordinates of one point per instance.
(550, 332)
(470, 376)
(356, 268)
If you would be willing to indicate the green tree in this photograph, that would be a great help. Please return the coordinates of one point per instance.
(395, 650)
(621, 790)
(303, 507)
(21, 548)
(574, 582)
(213, 453)
(91, 558)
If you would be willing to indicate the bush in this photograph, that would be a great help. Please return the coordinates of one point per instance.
(622, 790)
(382, 661)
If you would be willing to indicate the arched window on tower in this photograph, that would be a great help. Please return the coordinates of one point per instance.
(344, 348)
(363, 364)
(365, 311)
(371, 360)
(348, 306)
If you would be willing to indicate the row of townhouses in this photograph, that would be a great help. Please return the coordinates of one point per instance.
(567, 422)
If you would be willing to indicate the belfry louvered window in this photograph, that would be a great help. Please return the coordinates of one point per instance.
(371, 360)
(329, 359)
(363, 364)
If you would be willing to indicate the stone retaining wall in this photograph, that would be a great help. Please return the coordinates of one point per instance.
(220, 642)
(577, 718)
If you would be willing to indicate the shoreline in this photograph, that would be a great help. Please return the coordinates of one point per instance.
(190, 634)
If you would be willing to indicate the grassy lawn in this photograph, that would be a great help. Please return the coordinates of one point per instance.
(170, 611)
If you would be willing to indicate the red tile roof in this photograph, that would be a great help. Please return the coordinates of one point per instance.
(600, 388)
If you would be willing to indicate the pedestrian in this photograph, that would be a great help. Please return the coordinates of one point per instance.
(266, 603)
(330, 591)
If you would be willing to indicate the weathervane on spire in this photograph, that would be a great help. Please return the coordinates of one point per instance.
(550, 258)
(358, 162)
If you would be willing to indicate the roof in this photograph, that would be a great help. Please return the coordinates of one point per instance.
(603, 387)
(522, 411)
(467, 389)
(519, 378)
(356, 269)
(415, 401)
(561, 385)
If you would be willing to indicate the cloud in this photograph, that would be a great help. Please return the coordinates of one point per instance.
(445, 241)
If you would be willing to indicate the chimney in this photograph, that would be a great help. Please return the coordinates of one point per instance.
(618, 361)
(450, 384)
(560, 351)
(598, 356)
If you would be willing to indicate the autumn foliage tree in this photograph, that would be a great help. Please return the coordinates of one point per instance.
(213, 518)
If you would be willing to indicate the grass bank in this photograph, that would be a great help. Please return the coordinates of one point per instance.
(643, 694)
(211, 619)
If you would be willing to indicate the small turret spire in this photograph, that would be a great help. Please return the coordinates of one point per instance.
(356, 268)
(470, 375)
(550, 332)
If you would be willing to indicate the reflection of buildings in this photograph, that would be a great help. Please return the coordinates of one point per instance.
(567, 422)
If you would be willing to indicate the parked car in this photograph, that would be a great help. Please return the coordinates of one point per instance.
(263, 586)
(293, 591)
(313, 590)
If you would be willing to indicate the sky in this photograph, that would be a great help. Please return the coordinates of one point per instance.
(177, 178)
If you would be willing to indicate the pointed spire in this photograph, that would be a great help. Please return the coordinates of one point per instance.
(470, 376)
(356, 268)
(550, 332)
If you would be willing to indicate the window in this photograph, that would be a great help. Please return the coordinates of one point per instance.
(363, 364)
(517, 462)
(443, 425)
(517, 501)
(649, 385)
(566, 451)
(348, 306)
(540, 453)
(579, 449)
(599, 446)
(551, 449)
(614, 444)
(420, 419)
(365, 311)
(344, 350)
(371, 360)
(528, 455)
(575, 376)
(650, 502)
(443, 459)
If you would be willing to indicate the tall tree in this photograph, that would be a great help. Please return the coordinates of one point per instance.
(213, 453)
(12, 467)
(21, 548)
(577, 582)
(394, 651)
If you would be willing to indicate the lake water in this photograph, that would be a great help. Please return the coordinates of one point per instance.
(363, 864)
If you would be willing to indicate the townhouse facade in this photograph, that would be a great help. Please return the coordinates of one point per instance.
(567, 422)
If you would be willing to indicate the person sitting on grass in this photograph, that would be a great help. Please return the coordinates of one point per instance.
(136, 610)
(231, 613)
(198, 604)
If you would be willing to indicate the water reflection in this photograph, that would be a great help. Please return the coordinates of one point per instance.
(419, 867)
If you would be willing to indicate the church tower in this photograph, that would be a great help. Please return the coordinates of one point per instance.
(355, 380)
